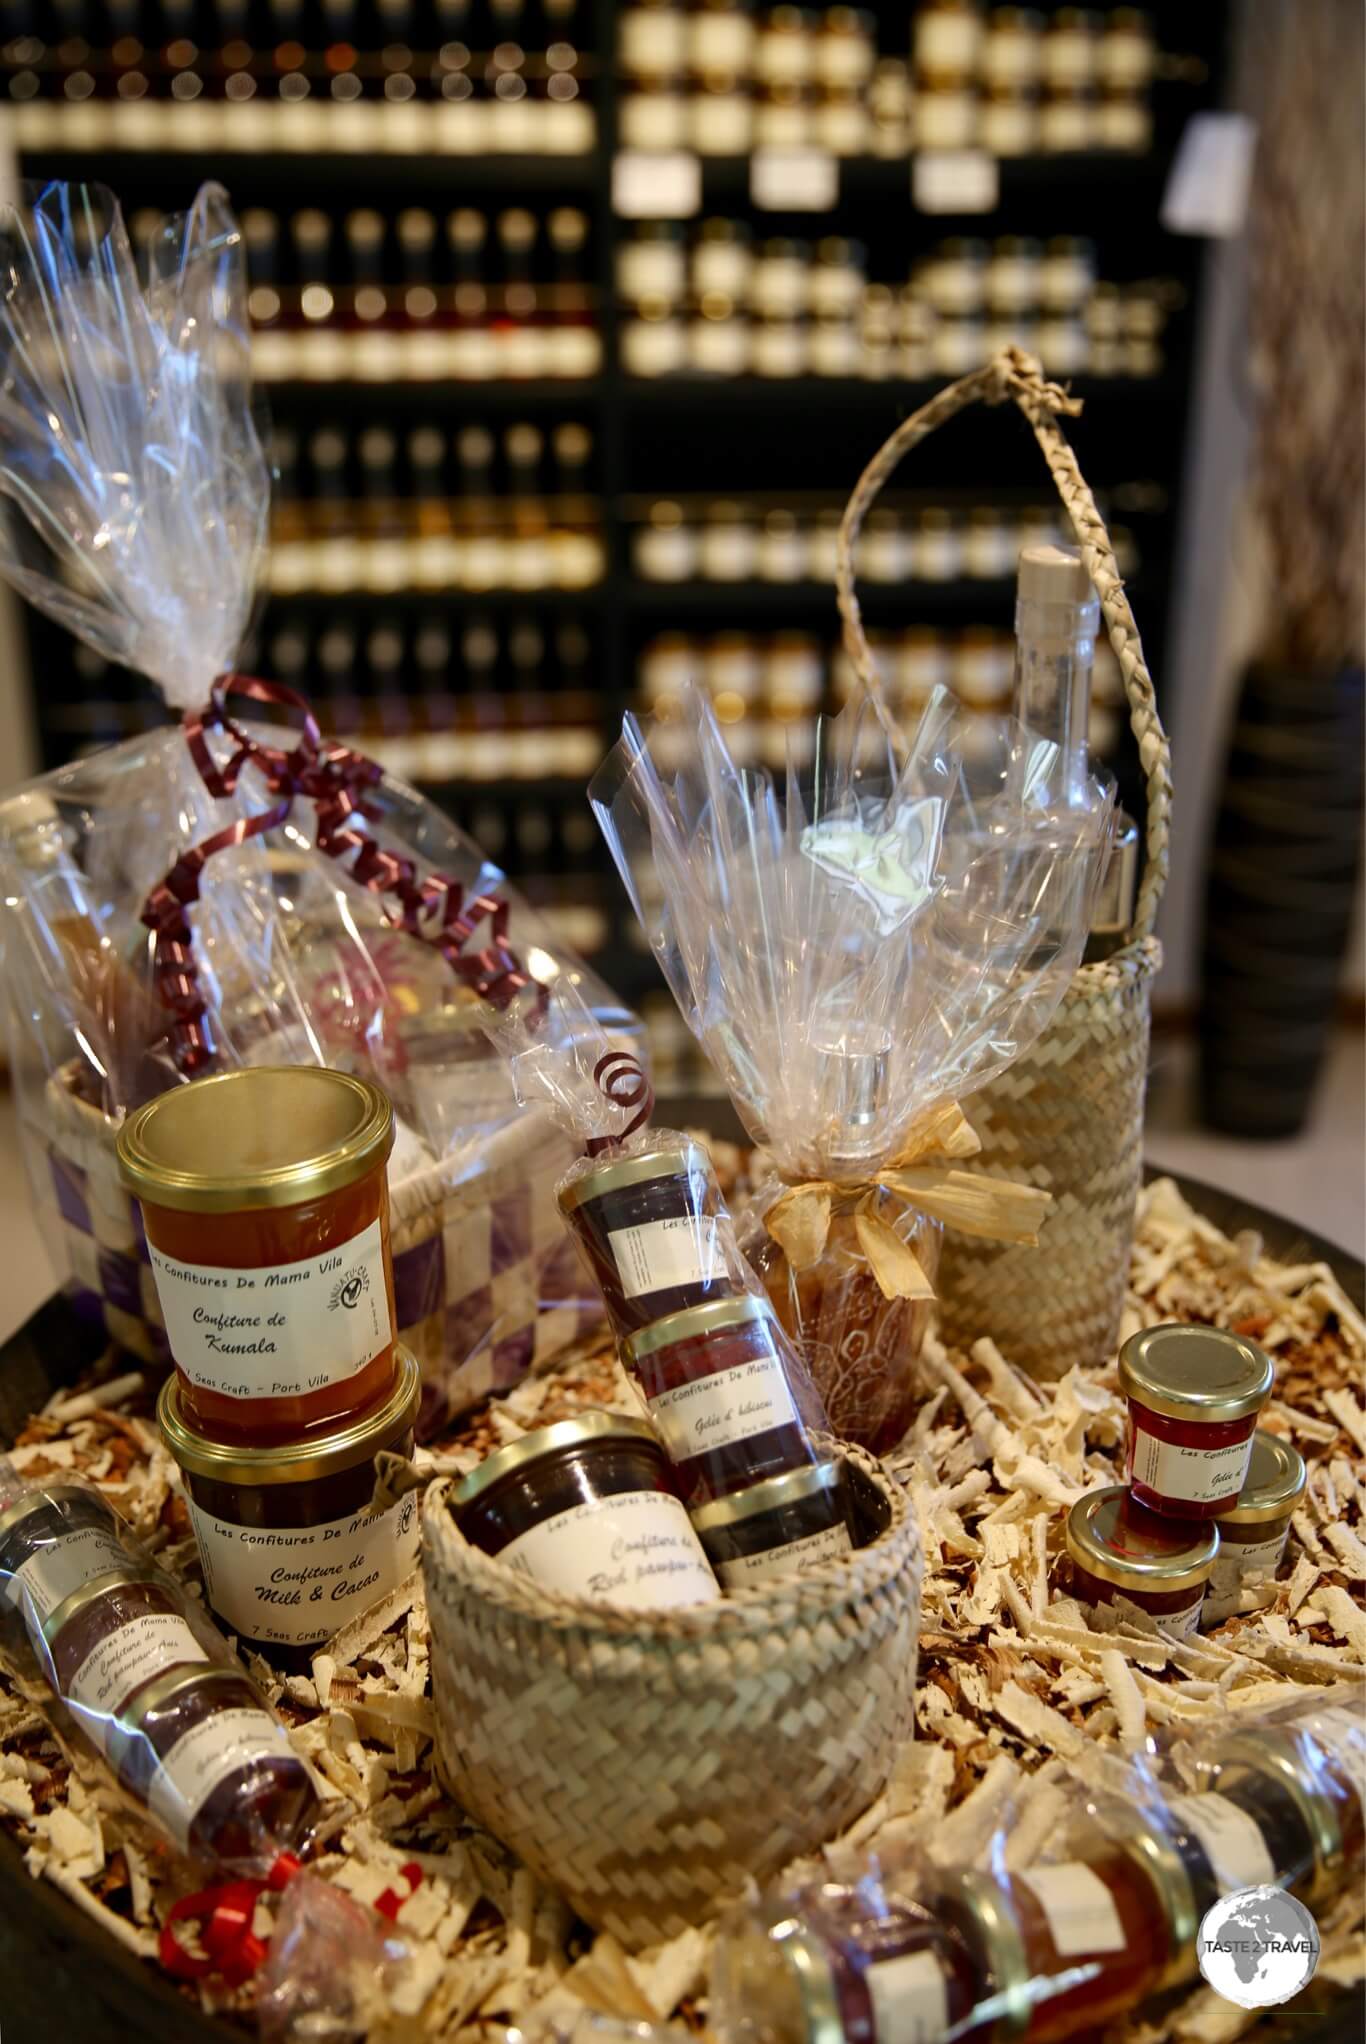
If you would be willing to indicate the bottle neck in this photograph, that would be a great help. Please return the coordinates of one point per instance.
(1055, 648)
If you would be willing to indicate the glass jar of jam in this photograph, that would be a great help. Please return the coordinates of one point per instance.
(1336, 1733)
(784, 1526)
(1122, 1554)
(1309, 1818)
(1252, 1536)
(586, 1507)
(290, 1546)
(109, 1639)
(266, 1210)
(647, 1223)
(200, 1751)
(840, 1965)
(718, 1382)
(1194, 1394)
(54, 1539)
(1247, 1835)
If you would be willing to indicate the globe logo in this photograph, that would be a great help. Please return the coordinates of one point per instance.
(1258, 1947)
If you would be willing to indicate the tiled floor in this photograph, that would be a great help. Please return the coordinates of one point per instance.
(1316, 1179)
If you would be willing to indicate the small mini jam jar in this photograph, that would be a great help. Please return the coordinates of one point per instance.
(586, 1507)
(1312, 1816)
(782, 1527)
(266, 1210)
(54, 1539)
(290, 1547)
(1121, 1553)
(109, 1639)
(1252, 1536)
(1194, 1394)
(199, 1750)
(717, 1380)
(647, 1224)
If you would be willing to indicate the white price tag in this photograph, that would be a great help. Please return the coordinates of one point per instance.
(650, 186)
(794, 180)
(1207, 191)
(955, 181)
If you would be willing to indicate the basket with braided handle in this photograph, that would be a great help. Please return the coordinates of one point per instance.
(1068, 1114)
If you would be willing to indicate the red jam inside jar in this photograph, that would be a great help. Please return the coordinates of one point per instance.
(653, 1231)
(785, 1526)
(110, 1639)
(198, 1748)
(1252, 1536)
(1194, 1394)
(265, 1204)
(718, 1381)
(1118, 1553)
(290, 1547)
(587, 1507)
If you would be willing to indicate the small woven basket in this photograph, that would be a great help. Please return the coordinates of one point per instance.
(646, 1764)
(1068, 1114)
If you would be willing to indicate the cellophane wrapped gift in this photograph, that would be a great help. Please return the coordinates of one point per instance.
(856, 945)
(223, 892)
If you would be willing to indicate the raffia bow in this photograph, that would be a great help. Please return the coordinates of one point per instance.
(924, 1174)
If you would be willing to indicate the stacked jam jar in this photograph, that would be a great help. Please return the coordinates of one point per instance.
(719, 1376)
(265, 1209)
(1209, 1496)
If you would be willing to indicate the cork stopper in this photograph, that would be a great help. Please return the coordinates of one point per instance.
(1054, 574)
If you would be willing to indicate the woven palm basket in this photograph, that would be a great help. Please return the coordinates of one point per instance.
(1068, 1114)
(647, 1764)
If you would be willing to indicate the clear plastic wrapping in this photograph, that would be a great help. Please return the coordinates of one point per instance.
(857, 945)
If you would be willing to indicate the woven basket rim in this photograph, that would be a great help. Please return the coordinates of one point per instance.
(835, 1586)
(1140, 958)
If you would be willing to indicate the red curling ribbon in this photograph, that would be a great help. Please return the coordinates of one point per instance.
(620, 1079)
(390, 1902)
(231, 1947)
(435, 909)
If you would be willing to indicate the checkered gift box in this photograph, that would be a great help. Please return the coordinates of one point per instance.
(486, 1280)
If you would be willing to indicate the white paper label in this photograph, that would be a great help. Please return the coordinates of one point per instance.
(1239, 1559)
(57, 1571)
(282, 1330)
(727, 1406)
(794, 180)
(656, 184)
(1203, 1475)
(661, 1254)
(955, 181)
(636, 1549)
(1343, 1733)
(146, 1646)
(1232, 1841)
(910, 2000)
(795, 1558)
(294, 1585)
(206, 1755)
(1078, 1907)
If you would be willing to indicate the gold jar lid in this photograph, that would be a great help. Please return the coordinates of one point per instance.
(325, 1453)
(1112, 1536)
(1273, 1485)
(136, 1575)
(613, 1174)
(695, 1322)
(595, 1425)
(1199, 1373)
(266, 1136)
(978, 1908)
(31, 1501)
(793, 1487)
(784, 1969)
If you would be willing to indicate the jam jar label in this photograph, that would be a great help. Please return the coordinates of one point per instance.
(295, 1585)
(909, 1997)
(279, 1331)
(658, 1255)
(1232, 1841)
(220, 1745)
(792, 1559)
(729, 1405)
(1203, 1475)
(57, 1571)
(636, 1548)
(1181, 1623)
(1239, 1559)
(146, 1646)
(1078, 1908)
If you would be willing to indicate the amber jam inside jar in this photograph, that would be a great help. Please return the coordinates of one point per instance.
(647, 1225)
(199, 1749)
(1194, 1394)
(1252, 1536)
(718, 1382)
(1121, 1553)
(840, 1965)
(586, 1507)
(784, 1526)
(290, 1547)
(266, 1209)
